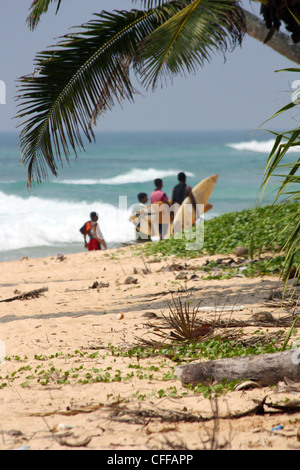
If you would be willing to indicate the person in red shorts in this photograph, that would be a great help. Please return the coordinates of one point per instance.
(92, 230)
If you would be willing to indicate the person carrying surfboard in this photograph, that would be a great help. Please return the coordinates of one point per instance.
(139, 217)
(92, 230)
(181, 191)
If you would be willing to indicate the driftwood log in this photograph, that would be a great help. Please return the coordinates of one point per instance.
(264, 369)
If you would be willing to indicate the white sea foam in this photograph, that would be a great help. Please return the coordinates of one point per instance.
(253, 146)
(44, 222)
(257, 146)
(135, 175)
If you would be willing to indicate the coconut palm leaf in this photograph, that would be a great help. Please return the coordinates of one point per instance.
(151, 3)
(188, 38)
(88, 71)
(58, 100)
(37, 8)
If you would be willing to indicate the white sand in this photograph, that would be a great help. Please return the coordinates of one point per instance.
(67, 332)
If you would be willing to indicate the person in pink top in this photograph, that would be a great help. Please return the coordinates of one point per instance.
(158, 195)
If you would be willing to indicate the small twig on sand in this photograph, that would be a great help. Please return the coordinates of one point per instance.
(27, 295)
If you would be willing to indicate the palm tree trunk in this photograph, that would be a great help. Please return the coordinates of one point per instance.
(279, 42)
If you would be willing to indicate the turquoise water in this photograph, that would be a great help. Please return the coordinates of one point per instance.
(46, 220)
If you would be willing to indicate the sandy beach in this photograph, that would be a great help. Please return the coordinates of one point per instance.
(69, 381)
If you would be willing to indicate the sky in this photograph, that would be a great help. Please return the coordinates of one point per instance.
(238, 94)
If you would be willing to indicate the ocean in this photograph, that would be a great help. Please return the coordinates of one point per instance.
(107, 177)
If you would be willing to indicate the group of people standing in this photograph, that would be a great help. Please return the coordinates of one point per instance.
(179, 193)
(92, 230)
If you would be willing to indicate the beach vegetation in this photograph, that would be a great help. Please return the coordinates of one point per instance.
(156, 365)
(284, 163)
(264, 231)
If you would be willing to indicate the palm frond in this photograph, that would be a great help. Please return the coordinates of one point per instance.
(89, 70)
(58, 100)
(189, 37)
(151, 3)
(286, 188)
(292, 249)
(37, 8)
(283, 143)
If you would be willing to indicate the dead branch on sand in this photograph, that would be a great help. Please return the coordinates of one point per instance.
(33, 294)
